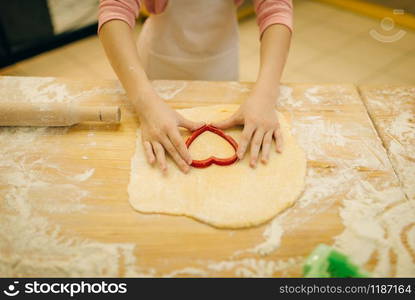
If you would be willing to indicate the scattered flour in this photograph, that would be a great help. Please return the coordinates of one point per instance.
(378, 219)
(30, 243)
(374, 220)
(375, 214)
(187, 271)
(251, 267)
(168, 90)
(46, 90)
(286, 97)
(312, 94)
(403, 126)
(247, 267)
(405, 168)
(84, 176)
(397, 104)
(272, 236)
(238, 87)
(315, 95)
(402, 149)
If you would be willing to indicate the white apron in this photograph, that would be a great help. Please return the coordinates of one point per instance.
(192, 40)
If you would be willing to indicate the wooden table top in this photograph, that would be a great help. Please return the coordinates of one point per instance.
(64, 200)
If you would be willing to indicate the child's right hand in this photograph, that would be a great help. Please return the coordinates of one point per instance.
(159, 130)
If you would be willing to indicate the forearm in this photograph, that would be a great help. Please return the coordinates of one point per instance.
(275, 44)
(118, 42)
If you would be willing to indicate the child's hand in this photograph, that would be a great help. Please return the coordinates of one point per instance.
(261, 126)
(159, 127)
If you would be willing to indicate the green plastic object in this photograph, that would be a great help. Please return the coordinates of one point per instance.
(325, 262)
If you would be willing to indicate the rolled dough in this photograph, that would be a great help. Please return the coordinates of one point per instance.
(234, 196)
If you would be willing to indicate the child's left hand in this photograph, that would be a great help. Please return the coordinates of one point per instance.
(261, 126)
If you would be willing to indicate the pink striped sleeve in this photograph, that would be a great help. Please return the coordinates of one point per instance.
(273, 12)
(125, 10)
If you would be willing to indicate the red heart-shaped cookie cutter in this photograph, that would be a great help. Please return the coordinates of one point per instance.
(213, 160)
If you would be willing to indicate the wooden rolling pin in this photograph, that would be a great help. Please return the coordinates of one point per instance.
(54, 114)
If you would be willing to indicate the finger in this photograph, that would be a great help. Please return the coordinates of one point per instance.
(256, 145)
(230, 122)
(175, 155)
(278, 140)
(178, 143)
(266, 146)
(160, 156)
(245, 139)
(148, 150)
(190, 125)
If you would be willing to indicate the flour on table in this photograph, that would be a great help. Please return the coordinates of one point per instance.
(397, 128)
(168, 90)
(233, 196)
(44, 90)
(378, 219)
(272, 236)
(402, 149)
(247, 267)
(31, 243)
(84, 176)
